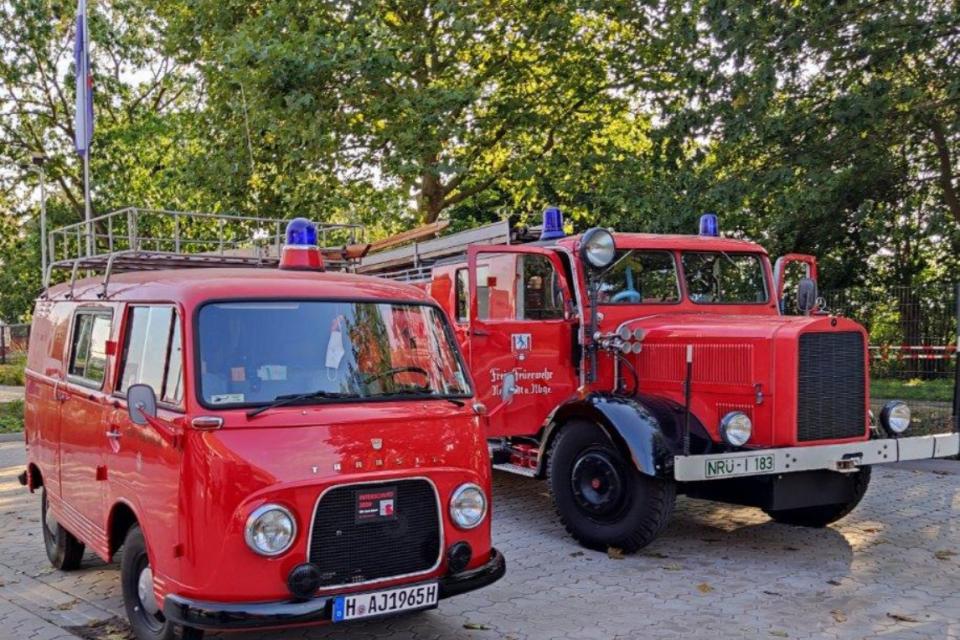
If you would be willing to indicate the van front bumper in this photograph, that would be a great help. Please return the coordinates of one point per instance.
(254, 615)
(833, 457)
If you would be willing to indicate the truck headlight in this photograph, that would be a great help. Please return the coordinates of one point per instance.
(736, 428)
(270, 530)
(468, 506)
(895, 417)
(597, 248)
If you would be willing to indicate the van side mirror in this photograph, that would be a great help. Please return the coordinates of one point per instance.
(806, 296)
(141, 403)
(509, 387)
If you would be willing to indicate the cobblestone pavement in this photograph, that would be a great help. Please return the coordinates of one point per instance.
(889, 570)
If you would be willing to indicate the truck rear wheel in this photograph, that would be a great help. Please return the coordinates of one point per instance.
(63, 549)
(136, 578)
(602, 499)
(822, 515)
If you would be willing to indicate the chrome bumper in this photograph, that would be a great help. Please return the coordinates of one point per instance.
(833, 457)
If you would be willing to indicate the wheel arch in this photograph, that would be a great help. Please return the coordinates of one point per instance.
(646, 429)
(34, 477)
(122, 518)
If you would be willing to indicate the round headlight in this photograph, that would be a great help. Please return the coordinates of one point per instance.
(270, 530)
(468, 506)
(895, 417)
(736, 428)
(597, 248)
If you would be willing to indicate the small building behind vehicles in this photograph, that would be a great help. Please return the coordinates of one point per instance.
(628, 367)
(266, 447)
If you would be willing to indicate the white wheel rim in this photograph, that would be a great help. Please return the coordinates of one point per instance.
(145, 591)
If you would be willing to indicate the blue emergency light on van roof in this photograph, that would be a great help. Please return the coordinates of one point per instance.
(301, 232)
(552, 224)
(709, 226)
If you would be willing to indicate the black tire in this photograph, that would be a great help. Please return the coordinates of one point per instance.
(63, 549)
(823, 515)
(602, 499)
(146, 625)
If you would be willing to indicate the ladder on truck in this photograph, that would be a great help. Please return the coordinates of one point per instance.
(137, 239)
(413, 261)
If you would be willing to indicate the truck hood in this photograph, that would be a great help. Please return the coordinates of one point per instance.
(698, 327)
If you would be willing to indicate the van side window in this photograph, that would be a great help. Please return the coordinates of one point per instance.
(88, 352)
(462, 292)
(153, 353)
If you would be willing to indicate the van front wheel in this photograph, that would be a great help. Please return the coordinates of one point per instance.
(600, 496)
(143, 612)
(63, 549)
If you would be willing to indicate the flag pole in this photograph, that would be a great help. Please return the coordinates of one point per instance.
(86, 202)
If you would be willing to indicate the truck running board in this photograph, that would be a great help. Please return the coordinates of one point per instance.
(527, 472)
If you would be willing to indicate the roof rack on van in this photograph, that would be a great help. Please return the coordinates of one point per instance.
(138, 239)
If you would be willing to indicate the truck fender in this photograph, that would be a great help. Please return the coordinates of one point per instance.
(649, 428)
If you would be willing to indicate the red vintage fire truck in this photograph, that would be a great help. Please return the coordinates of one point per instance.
(266, 447)
(628, 367)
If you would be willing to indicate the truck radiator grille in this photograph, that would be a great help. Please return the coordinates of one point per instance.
(349, 549)
(831, 401)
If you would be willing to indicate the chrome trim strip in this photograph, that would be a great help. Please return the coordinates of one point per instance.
(435, 566)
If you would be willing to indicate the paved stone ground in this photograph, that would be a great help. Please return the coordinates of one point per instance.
(889, 570)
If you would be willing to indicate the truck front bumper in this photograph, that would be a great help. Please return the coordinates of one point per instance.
(832, 457)
(256, 615)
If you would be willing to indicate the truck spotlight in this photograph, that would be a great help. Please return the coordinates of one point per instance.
(736, 428)
(468, 506)
(597, 248)
(895, 417)
(270, 530)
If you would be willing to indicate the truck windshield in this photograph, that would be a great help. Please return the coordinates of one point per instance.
(251, 353)
(718, 277)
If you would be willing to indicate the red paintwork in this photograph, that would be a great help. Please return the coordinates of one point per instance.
(191, 490)
(736, 346)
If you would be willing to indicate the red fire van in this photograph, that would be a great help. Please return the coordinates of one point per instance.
(266, 447)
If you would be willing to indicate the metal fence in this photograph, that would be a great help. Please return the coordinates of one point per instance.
(913, 344)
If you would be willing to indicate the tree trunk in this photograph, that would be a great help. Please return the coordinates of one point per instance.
(950, 196)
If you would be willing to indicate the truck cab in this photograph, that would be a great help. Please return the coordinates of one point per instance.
(628, 367)
(265, 446)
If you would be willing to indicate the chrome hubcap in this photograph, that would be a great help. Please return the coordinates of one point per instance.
(145, 591)
(50, 521)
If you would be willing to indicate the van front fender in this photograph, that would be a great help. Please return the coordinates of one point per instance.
(647, 428)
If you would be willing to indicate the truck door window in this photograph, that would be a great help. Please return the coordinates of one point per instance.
(153, 353)
(719, 277)
(462, 293)
(88, 352)
(514, 286)
(640, 277)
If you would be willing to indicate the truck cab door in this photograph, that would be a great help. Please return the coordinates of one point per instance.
(787, 273)
(520, 323)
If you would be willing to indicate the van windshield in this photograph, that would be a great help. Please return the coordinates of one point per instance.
(718, 277)
(251, 353)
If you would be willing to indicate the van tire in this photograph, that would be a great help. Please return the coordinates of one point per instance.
(63, 549)
(145, 625)
(602, 499)
(822, 515)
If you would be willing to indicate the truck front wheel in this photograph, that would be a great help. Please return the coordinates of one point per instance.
(821, 516)
(602, 499)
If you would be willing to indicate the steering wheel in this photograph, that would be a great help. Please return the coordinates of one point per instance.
(394, 371)
(630, 294)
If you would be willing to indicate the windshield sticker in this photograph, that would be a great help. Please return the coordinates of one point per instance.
(335, 350)
(238, 374)
(227, 398)
(272, 372)
(525, 382)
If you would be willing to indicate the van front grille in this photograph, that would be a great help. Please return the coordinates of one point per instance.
(351, 548)
(831, 388)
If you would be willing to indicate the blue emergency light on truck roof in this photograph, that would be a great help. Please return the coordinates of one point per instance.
(552, 224)
(301, 232)
(709, 226)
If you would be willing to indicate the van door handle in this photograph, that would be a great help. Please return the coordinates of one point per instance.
(114, 434)
(479, 332)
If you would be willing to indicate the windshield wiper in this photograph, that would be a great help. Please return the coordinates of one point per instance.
(290, 398)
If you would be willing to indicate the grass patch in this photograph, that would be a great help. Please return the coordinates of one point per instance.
(939, 390)
(12, 372)
(11, 417)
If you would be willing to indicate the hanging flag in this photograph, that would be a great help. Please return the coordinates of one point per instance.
(83, 120)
